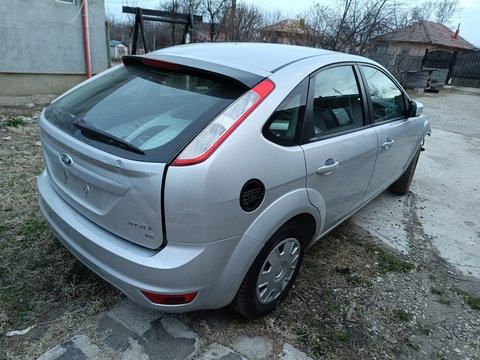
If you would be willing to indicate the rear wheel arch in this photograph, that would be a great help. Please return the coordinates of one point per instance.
(273, 271)
(292, 238)
(294, 205)
(309, 223)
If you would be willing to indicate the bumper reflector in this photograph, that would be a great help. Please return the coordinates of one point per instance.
(170, 299)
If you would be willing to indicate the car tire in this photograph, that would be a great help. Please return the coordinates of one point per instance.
(402, 185)
(272, 273)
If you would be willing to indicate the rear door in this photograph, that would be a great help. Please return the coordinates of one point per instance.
(395, 132)
(339, 146)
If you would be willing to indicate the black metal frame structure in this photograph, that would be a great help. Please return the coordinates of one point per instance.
(156, 15)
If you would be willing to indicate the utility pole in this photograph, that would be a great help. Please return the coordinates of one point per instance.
(233, 20)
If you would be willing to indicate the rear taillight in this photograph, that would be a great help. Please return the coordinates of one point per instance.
(163, 299)
(223, 125)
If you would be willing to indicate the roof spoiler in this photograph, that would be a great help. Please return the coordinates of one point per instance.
(195, 67)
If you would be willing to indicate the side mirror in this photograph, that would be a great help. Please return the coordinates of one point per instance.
(415, 108)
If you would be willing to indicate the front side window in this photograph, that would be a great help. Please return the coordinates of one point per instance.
(138, 109)
(337, 105)
(387, 99)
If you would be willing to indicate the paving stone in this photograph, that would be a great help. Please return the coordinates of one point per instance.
(289, 352)
(163, 345)
(133, 316)
(218, 352)
(135, 351)
(118, 334)
(78, 347)
(253, 348)
(218, 319)
(178, 329)
(149, 334)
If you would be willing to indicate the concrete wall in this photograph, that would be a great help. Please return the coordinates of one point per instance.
(45, 37)
(408, 49)
(37, 84)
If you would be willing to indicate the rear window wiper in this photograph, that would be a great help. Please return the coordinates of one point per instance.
(95, 133)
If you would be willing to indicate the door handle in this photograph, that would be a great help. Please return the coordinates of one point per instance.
(388, 144)
(328, 168)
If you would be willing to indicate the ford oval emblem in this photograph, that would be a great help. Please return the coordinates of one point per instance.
(66, 159)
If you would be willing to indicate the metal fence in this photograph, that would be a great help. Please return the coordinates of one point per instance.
(399, 65)
(463, 66)
(466, 69)
(438, 59)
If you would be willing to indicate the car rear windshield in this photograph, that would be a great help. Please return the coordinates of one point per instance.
(141, 112)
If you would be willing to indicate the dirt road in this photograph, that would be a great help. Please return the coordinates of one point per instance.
(446, 186)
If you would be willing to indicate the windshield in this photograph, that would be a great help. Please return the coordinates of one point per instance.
(154, 110)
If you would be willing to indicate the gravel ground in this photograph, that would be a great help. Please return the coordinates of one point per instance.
(436, 226)
(424, 314)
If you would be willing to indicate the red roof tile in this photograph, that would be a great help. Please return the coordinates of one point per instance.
(426, 32)
(288, 26)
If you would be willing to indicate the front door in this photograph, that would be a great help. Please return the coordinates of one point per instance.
(395, 132)
(341, 148)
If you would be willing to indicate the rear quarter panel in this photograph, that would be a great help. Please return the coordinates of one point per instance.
(202, 200)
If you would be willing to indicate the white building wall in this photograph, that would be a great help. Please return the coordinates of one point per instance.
(46, 37)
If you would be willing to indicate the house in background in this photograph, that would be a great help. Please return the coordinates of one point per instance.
(43, 49)
(117, 50)
(403, 52)
(202, 32)
(415, 39)
(290, 31)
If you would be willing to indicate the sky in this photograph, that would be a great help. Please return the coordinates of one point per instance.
(468, 19)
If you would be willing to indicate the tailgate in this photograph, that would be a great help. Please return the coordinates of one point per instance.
(120, 195)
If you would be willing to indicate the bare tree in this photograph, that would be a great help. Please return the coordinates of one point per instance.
(446, 11)
(421, 12)
(351, 27)
(121, 30)
(440, 11)
(213, 9)
(172, 6)
(241, 23)
(272, 17)
(176, 31)
(190, 6)
(315, 24)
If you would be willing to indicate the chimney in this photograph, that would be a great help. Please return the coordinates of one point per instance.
(455, 36)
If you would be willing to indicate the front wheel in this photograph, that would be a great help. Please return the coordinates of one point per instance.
(402, 185)
(272, 273)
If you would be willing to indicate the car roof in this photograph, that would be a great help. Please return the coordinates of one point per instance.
(264, 57)
(247, 63)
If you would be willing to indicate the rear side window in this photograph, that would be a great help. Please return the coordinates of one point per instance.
(337, 105)
(152, 110)
(387, 99)
(285, 124)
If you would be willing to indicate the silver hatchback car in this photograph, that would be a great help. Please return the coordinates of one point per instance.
(196, 176)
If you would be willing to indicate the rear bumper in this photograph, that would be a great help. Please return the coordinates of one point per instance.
(214, 270)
